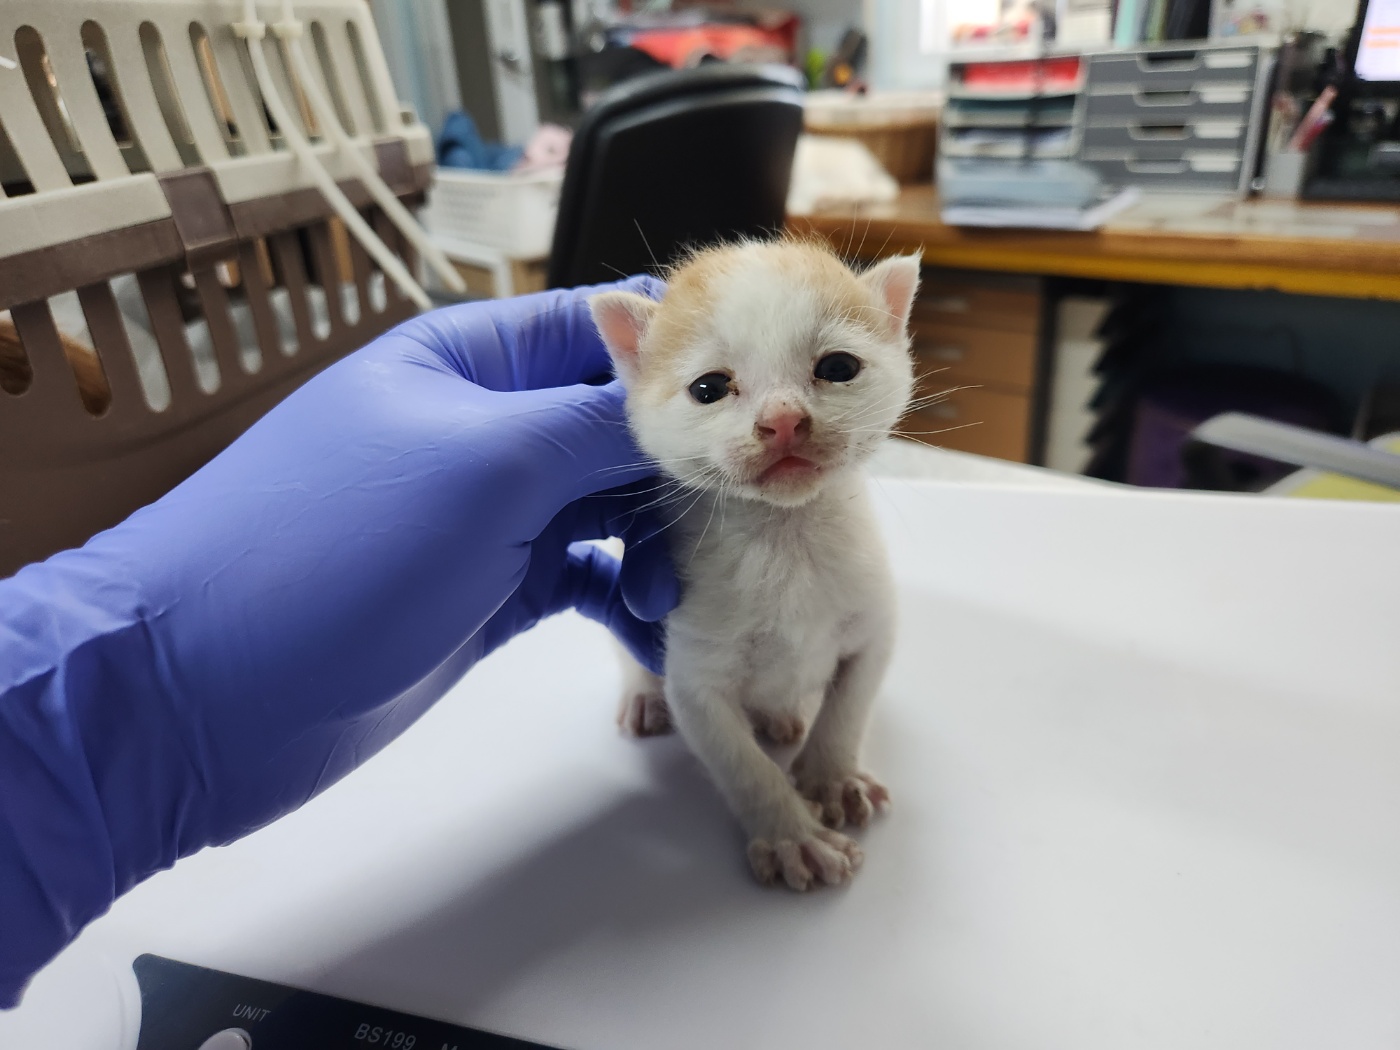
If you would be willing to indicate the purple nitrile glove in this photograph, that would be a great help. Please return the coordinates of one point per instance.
(243, 643)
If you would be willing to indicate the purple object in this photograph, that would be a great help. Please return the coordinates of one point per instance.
(1172, 404)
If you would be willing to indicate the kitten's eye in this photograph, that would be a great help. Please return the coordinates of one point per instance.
(839, 367)
(710, 387)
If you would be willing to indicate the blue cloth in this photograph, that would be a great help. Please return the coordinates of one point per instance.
(237, 647)
(461, 146)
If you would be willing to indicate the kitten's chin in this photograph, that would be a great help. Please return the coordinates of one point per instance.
(789, 482)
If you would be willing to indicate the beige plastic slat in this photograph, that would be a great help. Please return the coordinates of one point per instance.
(313, 59)
(70, 68)
(42, 220)
(382, 84)
(281, 81)
(189, 86)
(124, 42)
(243, 96)
(419, 142)
(347, 75)
(23, 123)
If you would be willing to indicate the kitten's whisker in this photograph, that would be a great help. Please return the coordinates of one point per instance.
(618, 468)
(698, 497)
(681, 486)
(945, 430)
(651, 253)
(632, 492)
(703, 533)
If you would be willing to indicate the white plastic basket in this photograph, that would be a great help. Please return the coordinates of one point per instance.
(513, 214)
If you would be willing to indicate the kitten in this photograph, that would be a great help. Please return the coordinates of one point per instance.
(760, 383)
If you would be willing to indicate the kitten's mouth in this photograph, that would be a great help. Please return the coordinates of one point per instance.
(789, 468)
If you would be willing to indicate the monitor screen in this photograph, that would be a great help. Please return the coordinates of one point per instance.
(1378, 54)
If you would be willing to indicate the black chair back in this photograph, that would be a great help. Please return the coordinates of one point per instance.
(674, 160)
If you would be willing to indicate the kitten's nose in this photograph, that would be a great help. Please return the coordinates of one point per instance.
(783, 428)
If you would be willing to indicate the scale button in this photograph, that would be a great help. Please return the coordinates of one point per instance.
(228, 1039)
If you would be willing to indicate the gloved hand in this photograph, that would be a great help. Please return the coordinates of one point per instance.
(230, 651)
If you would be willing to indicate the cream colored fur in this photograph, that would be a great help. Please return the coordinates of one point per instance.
(787, 619)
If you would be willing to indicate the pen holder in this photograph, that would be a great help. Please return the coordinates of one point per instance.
(1286, 173)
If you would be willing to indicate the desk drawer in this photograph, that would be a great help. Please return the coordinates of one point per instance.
(1170, 104)
(986, 422)
(961, 352)
(1151, 68)
(1186, 174)
(1128, 135)
(1007, 304)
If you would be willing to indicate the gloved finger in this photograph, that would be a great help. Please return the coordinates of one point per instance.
(573, 442)
(592, 584)
(648, 576)
(636, 515)
(532, 342)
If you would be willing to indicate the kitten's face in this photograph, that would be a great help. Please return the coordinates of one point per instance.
(767, 369)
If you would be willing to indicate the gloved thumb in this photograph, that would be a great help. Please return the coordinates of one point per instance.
(576, 439)
(593, 583)
(648, 575)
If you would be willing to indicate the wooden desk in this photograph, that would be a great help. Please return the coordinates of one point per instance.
(1308, 249)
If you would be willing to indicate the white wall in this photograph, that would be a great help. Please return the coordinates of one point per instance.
(1331, 16)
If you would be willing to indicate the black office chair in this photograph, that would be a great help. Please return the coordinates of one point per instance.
(672, 160)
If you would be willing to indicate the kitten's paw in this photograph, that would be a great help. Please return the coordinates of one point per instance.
(644, 713)
(780, 729)
(822, 857)
(853, 799)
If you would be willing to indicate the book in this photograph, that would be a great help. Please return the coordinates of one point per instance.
(1125, 25)
(1034, 217)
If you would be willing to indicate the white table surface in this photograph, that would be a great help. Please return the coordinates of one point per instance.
(1145, 752)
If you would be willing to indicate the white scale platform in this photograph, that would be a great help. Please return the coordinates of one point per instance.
(1145, 753)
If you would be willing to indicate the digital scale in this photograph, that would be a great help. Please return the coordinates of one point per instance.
(182, 1004)
(1142, 748)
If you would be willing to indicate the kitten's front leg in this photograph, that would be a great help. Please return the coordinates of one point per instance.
(828, 769)
(642, 710)
(786, 841)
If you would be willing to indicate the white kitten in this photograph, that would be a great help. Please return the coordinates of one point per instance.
(760, 383)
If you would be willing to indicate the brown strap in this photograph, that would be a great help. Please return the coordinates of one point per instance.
(202, 219)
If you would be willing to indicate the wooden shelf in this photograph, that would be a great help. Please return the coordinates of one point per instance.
(1347, 250)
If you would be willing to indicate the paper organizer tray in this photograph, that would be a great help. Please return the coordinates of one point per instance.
(139, 164)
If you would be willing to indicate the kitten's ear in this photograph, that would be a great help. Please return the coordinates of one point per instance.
(622, 319)
(894, 281)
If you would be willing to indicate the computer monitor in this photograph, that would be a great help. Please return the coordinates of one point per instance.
(1377, 59)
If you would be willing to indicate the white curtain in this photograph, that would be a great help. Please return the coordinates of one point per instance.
(418, 47)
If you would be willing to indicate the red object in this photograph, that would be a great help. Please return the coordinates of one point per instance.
(681, 48)
(1051, 74)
